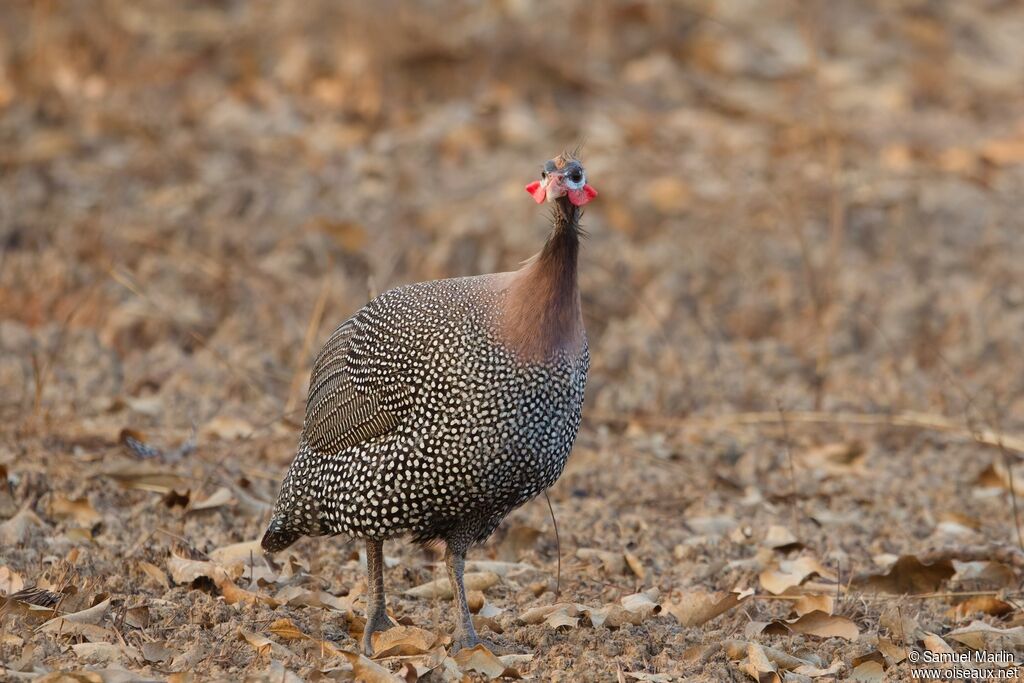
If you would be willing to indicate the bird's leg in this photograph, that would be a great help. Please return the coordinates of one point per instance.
(377, 618)
(465, 634)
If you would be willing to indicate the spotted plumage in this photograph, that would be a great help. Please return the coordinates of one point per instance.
(441, 406)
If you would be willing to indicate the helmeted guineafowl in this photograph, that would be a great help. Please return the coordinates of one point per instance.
(440, 407)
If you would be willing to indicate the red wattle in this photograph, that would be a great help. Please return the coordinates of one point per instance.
(537, 192)
(581, 197)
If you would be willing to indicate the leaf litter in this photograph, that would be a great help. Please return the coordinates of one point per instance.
(150, 407)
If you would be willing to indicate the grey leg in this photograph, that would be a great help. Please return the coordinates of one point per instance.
(465, 634)
(377, 618)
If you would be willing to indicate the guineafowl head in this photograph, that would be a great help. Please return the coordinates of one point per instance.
(562, 176)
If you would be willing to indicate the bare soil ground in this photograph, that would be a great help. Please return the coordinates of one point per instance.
(804, 291)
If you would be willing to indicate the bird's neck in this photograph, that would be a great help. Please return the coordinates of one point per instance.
(542, 310)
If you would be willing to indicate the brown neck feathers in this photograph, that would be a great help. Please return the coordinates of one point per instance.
(542, 309)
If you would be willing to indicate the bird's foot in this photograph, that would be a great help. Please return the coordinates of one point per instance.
(464, 640)
(374, 624)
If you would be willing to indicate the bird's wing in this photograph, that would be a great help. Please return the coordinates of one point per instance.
(350, 400)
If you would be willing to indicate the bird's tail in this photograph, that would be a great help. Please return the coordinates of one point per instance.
(278, 536)
(296, 512)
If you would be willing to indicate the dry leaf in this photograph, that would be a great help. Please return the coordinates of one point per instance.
(536, 615)
(15, 530)
(287, 630)
(868, 672)
(499, 568)
(218, 498)
(276, 673)
(635, 565)
(785, 574)
(758, 666)
(184, 570)
(402, 641)
(226, 428)
(441, 588)
(155, 573)
(894, 654)
(644, 604)
(810, 603)
(697, 607)
(83, 623)
(812, 671)
(614, 563)
(837, 459)
(711, 526)
(782, 539)
(10, 581)
(479, 659)
(264, 646)
(649, 677)
(985, 604)
(366, 670)
(1004, 151)
(517, 542)
(234, 595)
(824, 625)
(737, 650)
(814, 623)
(776, 627)
(237, 553)
(907, 576)
(564, 616)
(104, 652)
(92, 615)
(984, 575)
(79, 509)
(156, 652)
(296, 595)
(934, 643)
(138, 617)
(981, 636)
(147, 478)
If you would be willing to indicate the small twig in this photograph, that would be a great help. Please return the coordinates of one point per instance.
(558, 547)
(792, 469)
(997, 424)
(908, 419)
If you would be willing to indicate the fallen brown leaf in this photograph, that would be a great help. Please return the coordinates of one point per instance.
(758, 666)
(613, 563)
(984, 604)
(781, 539)
(264, 646)
(78, 509)
(105, 652)
(226, 428)
(10, 581)
(480, 660)
(402, 641)
(698, 607)
(368, 671)
(441, 588)
(824, 625)
(811, 603)
(785, 574)
(981, 636)
(154, 572)
(907, 576)
(218, 498)
(16, 529)
(185, 570)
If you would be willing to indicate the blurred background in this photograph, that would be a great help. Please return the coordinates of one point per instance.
(813, 206)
